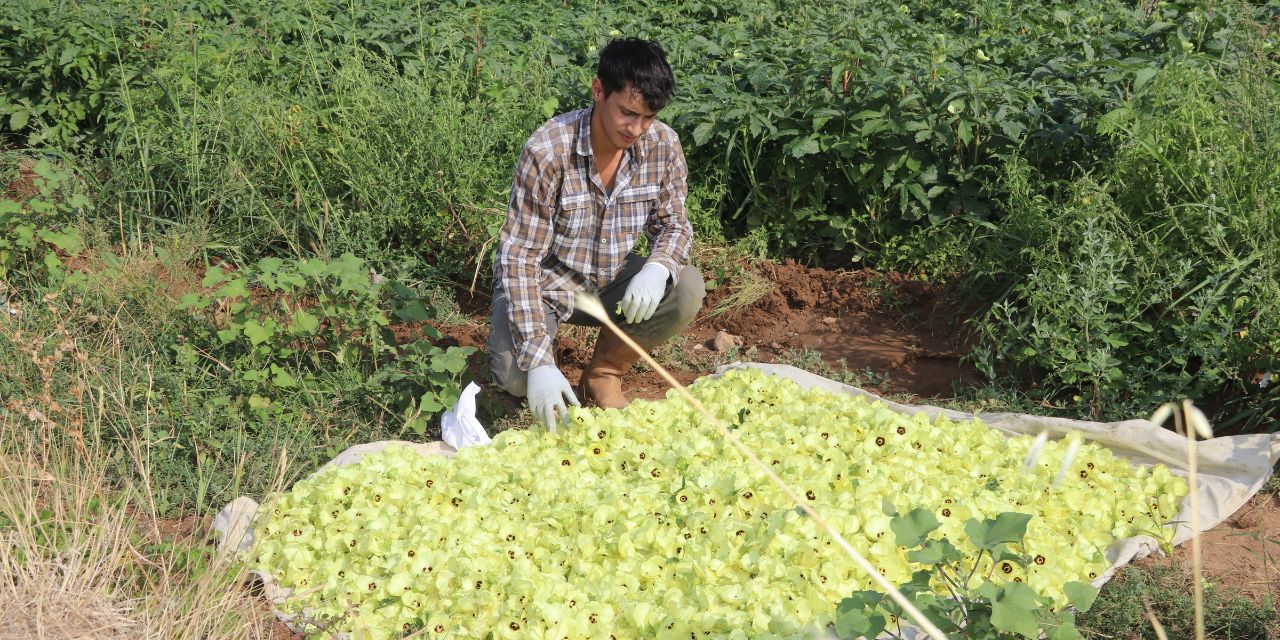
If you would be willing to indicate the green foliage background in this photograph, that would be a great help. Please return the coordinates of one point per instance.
(1099, 175)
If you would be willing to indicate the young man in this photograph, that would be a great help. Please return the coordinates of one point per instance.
(587, 185)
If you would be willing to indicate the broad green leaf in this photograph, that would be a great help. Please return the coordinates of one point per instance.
(69, 53)
(1064, 627)
(68, 240)
(52, 263)
(918, 191)
(19, 119)
(417, 423)
(988, 590)
(213, 276)
(402, 292)
(805, 147)
(935, 552)
(912, 529)
(702, 132)
(430, 403)
(270, 265)
(281, 377)
(549, 106)
(311, 268)
(1080, 595)
(1014, 610)
(454, 361)
(1004, 528)
(888, 508)
(1144, 76)
(305, 323)
(413, 311)
(918, 584)
(856, 615)
(1012, 130)
(237, 288)
(259, 332)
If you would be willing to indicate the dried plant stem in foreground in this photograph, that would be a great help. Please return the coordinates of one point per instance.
(80, 557)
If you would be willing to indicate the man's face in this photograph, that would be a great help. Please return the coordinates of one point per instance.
(624, 114)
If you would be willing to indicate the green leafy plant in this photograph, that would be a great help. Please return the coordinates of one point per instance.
(976, 606)
(62, 64)
(1149, 278)
(310, 324)
(39, 225)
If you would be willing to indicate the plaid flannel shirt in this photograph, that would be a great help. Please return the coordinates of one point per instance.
(564, 232)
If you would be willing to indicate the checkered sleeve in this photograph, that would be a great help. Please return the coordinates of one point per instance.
(523, 243)
(674, 236)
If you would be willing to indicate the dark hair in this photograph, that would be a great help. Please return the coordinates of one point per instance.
(641, 64)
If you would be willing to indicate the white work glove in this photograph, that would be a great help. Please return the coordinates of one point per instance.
(547, 392)
(644, 292)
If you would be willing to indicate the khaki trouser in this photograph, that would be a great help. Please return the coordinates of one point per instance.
(676, 310)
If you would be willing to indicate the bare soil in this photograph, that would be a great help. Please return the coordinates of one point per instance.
(906, 334)
(1242, 554)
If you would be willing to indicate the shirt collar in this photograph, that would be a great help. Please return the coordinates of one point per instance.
(638, 151)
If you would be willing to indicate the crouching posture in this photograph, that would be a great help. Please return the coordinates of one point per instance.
(588, 185)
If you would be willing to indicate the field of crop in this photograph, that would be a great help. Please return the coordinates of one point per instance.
(238, 236)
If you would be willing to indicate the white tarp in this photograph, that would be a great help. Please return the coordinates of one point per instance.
(1231, 469)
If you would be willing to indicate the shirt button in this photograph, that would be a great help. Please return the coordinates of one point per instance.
(604, 241)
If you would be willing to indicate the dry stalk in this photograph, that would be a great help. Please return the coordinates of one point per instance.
(78, 558)
(1193, 426)
(1190, 422)
(1155, 623)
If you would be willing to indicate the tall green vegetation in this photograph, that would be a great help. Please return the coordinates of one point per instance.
(1154, 276)
(856, 126)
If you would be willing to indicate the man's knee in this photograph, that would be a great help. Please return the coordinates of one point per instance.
(689, 292)
(505, 373)
(502, 357)
(677, 310)
(517, 384)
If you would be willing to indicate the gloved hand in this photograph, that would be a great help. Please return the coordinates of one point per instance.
(644, 292)
(547, 392)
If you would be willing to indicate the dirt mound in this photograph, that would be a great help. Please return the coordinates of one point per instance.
(894, 333)
(902, 334)
(1239, 553)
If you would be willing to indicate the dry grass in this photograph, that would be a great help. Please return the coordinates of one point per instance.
(80, 556)
(45, 605)
(747, 286)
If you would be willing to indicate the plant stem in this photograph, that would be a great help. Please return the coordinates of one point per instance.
(975, 566)
(953, 588)
(1192, 477)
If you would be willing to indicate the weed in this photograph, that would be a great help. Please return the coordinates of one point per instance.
(813, 362)
(735, 269)
(1273, 483)
(1119, 612)
(679, 355)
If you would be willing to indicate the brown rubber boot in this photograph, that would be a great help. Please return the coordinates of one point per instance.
(601, 382)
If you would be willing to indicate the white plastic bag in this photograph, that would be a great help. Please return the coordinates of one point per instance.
(459, 427)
